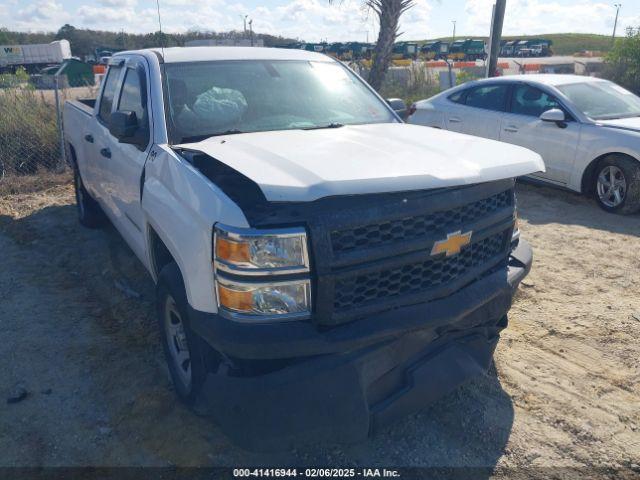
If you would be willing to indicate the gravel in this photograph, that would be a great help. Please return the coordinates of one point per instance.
(78, 332)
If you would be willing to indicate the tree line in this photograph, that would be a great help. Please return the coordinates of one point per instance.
(85, 41)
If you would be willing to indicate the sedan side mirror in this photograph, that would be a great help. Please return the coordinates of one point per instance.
(554, 115)
(398, 106)
(123, 125)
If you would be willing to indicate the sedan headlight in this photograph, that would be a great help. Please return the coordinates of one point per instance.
(248, 264)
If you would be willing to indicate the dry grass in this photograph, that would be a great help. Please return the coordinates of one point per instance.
(29, 138)
(28, 184)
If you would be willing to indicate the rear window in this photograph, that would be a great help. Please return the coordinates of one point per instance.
(488, 97)
(457, 97)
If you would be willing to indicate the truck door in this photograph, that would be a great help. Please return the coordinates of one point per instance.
(96, 136)
(556, 144)
(126, 161)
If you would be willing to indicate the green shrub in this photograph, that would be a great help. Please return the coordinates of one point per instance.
(622, 64)
(417, 85)
(464, 76)
(9, 80)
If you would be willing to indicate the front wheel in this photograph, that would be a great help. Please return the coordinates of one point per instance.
(181, 346)
(617, 185)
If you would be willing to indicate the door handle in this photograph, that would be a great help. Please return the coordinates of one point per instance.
(105, 152)
(455, 119)
(511, 128)
(89, 138)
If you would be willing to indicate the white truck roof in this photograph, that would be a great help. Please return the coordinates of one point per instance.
(203, 54)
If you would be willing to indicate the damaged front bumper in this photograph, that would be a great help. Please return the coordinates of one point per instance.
(347, 382)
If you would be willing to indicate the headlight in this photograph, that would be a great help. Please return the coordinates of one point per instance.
(255, 252)
(260, 301)
(247, 265)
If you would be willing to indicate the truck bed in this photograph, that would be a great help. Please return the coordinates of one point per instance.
(84, 104)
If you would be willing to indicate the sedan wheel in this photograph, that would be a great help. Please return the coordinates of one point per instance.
(611, 186)
(616, 184)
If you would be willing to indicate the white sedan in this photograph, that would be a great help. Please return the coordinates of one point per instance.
(587, 130)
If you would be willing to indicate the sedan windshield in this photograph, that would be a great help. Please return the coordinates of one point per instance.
(227, 97)
(602, 100)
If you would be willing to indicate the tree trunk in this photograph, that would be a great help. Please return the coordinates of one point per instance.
(388, 12)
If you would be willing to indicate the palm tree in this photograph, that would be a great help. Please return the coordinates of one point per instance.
(388, 12)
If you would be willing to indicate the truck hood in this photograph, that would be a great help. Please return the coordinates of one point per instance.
(304, 165)
(632, 123)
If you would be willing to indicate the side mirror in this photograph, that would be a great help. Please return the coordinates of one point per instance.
(123, 125)
(398, 106)
(554, 115)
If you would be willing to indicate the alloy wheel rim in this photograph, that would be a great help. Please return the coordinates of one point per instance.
(612, 186)
(177, 341)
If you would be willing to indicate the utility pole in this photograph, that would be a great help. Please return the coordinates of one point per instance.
(453, 39)
(244, 22)
(615, 23)
(494, 38)
(251, 31)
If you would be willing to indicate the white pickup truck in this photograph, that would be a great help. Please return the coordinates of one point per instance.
(321, 267)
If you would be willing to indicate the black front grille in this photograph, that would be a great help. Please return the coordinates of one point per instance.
(357, 291)
(408, 228)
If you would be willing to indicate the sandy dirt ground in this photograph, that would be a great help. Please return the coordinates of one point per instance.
(79, 343)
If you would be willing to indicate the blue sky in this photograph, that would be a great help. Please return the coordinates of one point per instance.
(315, 20)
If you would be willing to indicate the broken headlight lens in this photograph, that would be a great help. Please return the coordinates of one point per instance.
(257, 252)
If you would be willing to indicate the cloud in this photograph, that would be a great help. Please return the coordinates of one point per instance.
(310, 20)
(118, 3)
(39, 15)
(415, 22)
(313, 20)
(536, 16)
(103, 16)
(625, 22)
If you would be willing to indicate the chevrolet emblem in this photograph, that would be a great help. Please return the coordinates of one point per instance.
(452, 244)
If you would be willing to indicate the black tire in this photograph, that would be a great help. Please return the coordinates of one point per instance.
(171, 302)
(626, 172)
(90, 214)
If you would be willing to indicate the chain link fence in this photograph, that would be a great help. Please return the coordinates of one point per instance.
(31, 138)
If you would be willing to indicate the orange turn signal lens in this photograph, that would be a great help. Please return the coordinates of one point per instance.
(232, 251)
(239, 301)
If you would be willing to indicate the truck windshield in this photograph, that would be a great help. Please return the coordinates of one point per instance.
(222, 97)
(602, 100)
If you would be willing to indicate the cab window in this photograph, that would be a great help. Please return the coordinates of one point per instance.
(108, 93)
(488, 97)
(528, 100)
(132, 99)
